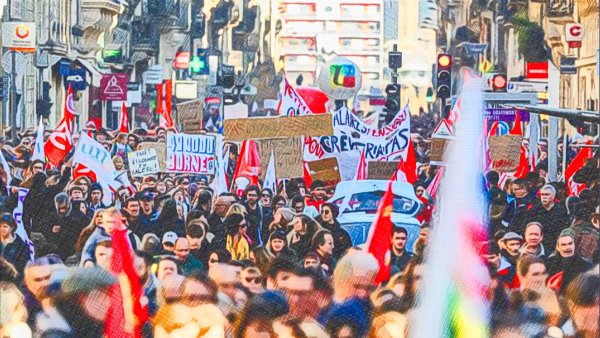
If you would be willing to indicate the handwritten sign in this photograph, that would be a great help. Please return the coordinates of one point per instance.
(438, 148)
(190, 153)
(381, 170)
(143, 162)
(326, 170)
(278, 127)
(288, 156)
(161, 153)
(505, 151)
(190, 115)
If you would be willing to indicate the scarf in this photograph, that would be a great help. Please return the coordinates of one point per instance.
(239, 250)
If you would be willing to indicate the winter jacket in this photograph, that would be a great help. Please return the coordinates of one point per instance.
(16, 253)
(341, 239)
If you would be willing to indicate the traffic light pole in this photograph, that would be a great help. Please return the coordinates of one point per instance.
(13, 98)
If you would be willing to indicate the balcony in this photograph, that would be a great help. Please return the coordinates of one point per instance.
(96, 19)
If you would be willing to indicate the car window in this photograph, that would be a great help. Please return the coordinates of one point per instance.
(369, 202)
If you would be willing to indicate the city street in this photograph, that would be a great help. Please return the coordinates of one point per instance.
(300, 169)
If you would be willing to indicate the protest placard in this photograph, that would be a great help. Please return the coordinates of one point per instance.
(353, 135)
(161, 153)
(438, 148)
(143, 162)
(505, 152)
(189, 114)
(326, 170)
(288, 156)
(190, 153)
(278, 127)
(381, 170)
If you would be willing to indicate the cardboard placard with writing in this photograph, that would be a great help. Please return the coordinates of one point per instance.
(189, 113)
(326, 170)
(438, 148)
(505, 151)
(288, 156)
(278, 127)
(143, 162)
(381, 170)
(161, 153)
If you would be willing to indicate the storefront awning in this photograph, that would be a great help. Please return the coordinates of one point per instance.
(96, 73)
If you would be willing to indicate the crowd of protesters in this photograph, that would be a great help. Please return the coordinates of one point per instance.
(275, 264)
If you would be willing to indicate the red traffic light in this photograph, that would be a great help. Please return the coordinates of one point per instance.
(444, 60)
(499, 82)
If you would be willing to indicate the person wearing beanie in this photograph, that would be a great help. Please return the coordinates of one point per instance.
(96, 195)
(275, 246)
(565, 263)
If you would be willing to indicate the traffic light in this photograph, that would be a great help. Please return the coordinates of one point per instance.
(392, 102)
(499, 83)
(199, 63)
(43, 105)
(429, 96)
(444, 77)
(227, 78)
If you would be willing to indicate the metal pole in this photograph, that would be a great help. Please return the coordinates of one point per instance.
(13, 97)
(564, 150)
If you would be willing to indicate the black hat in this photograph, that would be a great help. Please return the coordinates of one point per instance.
(278, 234)
(95, 186)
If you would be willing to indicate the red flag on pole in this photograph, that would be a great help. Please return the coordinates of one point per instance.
(248, 164)
(169, 103)
(516, 129)
(409, 166)
(307, 177)
(493, 129)
(60, 142)
(361, 170)
(380, 234)
(124, 127)
(126, 315)
(523, 168)
(577, 163)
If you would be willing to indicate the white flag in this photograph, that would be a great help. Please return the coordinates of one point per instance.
(271, 177)
(219, 183)
(38, 151)
(18, 216)
(291, 103)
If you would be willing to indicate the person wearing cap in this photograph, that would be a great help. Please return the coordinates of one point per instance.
(552, 216)
(81, 308)
(148, 213)
(511, 243)
(516, 214)
(12, 247)
(96, 195)
(168, 242)
(76, 193)
(566, 261)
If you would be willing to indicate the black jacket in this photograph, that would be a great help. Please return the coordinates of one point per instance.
(553, 221)
(341, 239)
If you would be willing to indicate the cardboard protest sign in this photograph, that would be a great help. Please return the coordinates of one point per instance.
(381, 170)
(505, 151)
(438, 148)
(143, 162)
(326, 170)
(278, 127)
(288, 156)
(189, 113)
(351, 135)
(161, 153)
(190, 153)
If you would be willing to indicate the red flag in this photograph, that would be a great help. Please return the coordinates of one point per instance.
(60, 142)
(577, 163)
(409, 167)
(516, 129)
(159, 99)
(248, 164)
(124, 127)
(380, 234)
(493, 129)
(169, 103)
(434, 185)
(554, 282)
(126, 315)
(361, 170)
(307, 177)
(523, 168)
(81, 171)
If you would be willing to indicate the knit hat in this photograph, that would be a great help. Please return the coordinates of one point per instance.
(278, 234)
(83, 280)
(95, 186)
(568, 232)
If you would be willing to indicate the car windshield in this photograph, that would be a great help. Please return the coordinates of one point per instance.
(369, 202)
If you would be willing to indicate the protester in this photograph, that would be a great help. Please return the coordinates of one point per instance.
(12, 247)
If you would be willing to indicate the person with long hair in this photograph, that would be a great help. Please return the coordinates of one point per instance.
(83, 237)
(237, 242)
(169, 220)
(300, 237)
(328, 220)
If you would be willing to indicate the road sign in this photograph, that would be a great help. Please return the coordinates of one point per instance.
(505, 114)
(154, 75)
(473, 49)
(567, 65)
(536, 70)
(76, 78)
(503, 128)
(442, 130)
(19, 36)
(574, 33)
(526, 87)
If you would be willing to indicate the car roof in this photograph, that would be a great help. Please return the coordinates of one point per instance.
(398, 188)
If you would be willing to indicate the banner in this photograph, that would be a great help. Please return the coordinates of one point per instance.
(353, 135)
(94, 156)
(190, 153)
(143, 162)
(113, 87)
(505, 152)
(291, 103)
(288, 156)
(18, 216)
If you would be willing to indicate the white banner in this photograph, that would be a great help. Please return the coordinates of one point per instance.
(93, 155)
(18, 216)
(190, 153)
(143, 162)
(353, 135)
(291, 103)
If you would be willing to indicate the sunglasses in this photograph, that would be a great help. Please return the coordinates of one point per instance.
(254, 280)
(326, 212)
(266, 195)
(213, 261)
